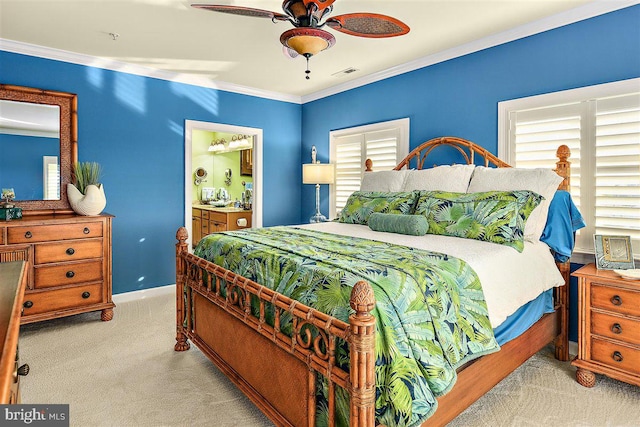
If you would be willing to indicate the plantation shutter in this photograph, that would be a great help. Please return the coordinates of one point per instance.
(617, 169)
(51, 174)
(383, 145)
(348, 161)
(604, 138)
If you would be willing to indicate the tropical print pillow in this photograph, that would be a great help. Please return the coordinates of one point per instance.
(414, 225)
(492, 216)
(361, 204)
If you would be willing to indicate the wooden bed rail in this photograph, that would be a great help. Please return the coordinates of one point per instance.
(314, 339)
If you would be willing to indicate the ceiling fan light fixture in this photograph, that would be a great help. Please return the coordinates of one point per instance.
(307, 41)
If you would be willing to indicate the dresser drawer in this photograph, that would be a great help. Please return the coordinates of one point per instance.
(70, 250)
(60, 299)
(67, 274)
(623, 357)
(615, 299)
(43, 233)
(619, 328)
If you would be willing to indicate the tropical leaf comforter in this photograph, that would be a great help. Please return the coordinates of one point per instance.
(430, 312)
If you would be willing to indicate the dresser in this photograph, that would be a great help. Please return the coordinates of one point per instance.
(206, 220)
(608, 326)
(69, 263)
(13, 280)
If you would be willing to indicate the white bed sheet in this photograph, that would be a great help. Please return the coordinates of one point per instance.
(509, 278)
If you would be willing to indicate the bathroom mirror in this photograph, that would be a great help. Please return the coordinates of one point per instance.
(30, 119)
(200, 175)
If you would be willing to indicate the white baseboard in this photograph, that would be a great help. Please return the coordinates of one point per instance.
(144, 293)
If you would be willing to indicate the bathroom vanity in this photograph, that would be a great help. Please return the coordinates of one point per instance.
(207, 219)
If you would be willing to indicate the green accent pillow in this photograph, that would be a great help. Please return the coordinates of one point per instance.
(414, 225)
(492, 216)
(361, 204)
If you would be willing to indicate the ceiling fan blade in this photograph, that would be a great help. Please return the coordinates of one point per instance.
(371, 25)
(244, 11)
(321, 4)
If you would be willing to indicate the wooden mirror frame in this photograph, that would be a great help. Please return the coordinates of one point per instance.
(68, 103)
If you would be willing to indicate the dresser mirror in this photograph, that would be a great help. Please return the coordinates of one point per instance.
(38, 137)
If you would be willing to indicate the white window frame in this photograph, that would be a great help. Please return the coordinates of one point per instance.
(506, 149)
(50, 176)
(402, 148)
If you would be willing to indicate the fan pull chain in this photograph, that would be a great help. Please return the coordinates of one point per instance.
(308, 71)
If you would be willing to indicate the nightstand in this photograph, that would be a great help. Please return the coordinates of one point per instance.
(608, 326)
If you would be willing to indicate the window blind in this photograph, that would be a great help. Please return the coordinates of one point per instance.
(51, 174)
(384, 143)
(603, 135)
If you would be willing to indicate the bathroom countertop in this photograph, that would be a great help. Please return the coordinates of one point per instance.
(221, 209)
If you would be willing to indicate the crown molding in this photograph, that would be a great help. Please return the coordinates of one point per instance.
(581, 13)
(125, 67)
(596, 8)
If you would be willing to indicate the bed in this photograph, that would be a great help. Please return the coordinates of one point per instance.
(303, 367)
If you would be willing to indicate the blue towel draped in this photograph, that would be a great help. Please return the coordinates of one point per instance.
(562, 223)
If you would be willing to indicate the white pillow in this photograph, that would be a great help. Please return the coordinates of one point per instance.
(384, 181)
(454, 178)
(542, 181)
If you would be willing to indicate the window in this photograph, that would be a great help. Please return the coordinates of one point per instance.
(601, 126)
(386, 144)
(51, 174)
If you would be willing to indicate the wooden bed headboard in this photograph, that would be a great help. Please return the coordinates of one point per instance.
(471, 152)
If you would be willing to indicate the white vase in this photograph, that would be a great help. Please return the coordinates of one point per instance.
(90, 203)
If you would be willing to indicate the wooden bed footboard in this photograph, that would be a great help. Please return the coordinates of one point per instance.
(256, 354)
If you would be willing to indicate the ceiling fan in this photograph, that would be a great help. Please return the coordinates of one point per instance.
(309, 16)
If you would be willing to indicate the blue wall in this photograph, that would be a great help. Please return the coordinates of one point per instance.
(21, 163)
(134, 126)
(460, 97)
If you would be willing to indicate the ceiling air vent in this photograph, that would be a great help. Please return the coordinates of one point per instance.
(345, 72)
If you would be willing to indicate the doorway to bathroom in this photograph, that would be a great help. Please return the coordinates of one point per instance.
(222, 181)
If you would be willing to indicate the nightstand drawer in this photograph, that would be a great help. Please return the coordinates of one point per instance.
(617, 356)
(60, 299)
(615, 299)
(68, 251)
(43, 233)
(627, 330)
(67, 274)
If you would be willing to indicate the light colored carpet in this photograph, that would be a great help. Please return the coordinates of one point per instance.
(125, 373)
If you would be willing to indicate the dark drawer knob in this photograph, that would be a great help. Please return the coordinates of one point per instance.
(70, 251)
(23, 370)
(616, 300)
(70, 274)
(86, 230)
(617, 356)
(28, 235)
(86, 295)
(28, 304)
(616, 328)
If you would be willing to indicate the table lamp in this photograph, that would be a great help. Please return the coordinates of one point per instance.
(318, 173)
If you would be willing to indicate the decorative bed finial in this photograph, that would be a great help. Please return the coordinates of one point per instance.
(362, 299)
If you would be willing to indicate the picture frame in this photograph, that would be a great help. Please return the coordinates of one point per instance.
(613, 252)
(246, 162)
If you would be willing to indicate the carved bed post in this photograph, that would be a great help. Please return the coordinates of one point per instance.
(362, 356)
(181, 339)
(563, 168)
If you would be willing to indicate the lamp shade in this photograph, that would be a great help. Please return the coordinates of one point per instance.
(318, 173)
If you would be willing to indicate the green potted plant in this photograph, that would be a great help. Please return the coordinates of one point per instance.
(86, 194)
